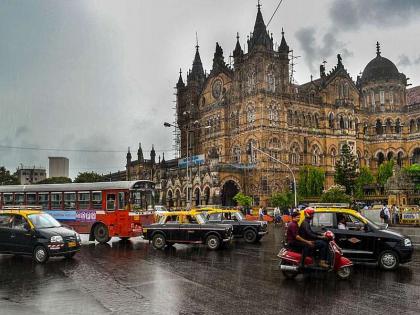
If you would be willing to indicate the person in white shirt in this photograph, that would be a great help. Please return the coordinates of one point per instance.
(386, 214)
(342, 223)
(261, 214)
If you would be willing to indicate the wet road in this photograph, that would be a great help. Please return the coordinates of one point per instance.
(133, 278)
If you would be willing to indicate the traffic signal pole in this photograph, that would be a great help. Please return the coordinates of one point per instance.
(251, 147)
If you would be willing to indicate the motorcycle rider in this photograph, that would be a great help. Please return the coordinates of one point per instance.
(294, 240)
(318, 241)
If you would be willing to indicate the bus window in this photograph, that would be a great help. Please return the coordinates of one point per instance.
(110, 202)
(56, 201)
(19, 199)
(121, 200)
(69, 200)
(8, 199)
(43, 200)
(31, 199)
(84, 200)
(96, 200)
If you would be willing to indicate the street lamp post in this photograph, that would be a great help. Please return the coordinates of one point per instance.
(251, 147)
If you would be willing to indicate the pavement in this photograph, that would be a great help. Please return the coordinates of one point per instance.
(133, 278)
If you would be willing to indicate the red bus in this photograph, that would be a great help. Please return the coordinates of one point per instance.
(102, 210)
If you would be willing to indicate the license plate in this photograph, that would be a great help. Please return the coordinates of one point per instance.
(71, 244)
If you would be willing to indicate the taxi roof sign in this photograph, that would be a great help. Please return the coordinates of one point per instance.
(329, 205)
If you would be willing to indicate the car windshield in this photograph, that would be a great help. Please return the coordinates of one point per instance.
(200, 218)
(43, 221)
(370, 222)
(240, 216)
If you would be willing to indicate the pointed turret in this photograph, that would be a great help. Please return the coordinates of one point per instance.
(238, 52)
(180, 83)
(197, 72)
(218, 59)
(128, 156)
(153, 155)
(140, 157)
(260, 36)
(283, 48)
(128, 165)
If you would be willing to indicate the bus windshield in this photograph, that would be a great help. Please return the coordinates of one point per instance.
(142, 200)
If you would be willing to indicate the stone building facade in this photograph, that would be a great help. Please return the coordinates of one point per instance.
(254, 101)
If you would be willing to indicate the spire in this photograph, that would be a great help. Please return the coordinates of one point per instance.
(197, 72)
(378, 49)
(153, 155)
(180, 83)
(260, 35)
(238, 52)
(339, 61)
(284, 48)
(218, 59)
(128, 156)
(140, 157)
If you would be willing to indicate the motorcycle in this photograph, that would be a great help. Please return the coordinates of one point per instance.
(290, 263)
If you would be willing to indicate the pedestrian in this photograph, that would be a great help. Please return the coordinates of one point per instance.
(386, 214)
(396, 215)
(277, 217)
(261, 214)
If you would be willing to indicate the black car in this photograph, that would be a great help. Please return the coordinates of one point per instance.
(363, 241)
(251, 231)
(186, 227)
(35, 233)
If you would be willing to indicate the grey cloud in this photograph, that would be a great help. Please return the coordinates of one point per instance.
(315, 52)
(353, 14)
(406, 61)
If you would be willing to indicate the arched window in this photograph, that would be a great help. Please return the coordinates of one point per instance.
(251, 81)
(365, 129)
(289, 117)
(236, 155)
(418, 124)
(271, 82)
(252, 156)
(273, 116)
(310, 120)
(274, 143)
(379, 127)
(390, 156)
(346, 90)
(333, 157)
(316, 155)
(296, 116)
(400, 156)
(294, 156)
(250, 115)
(316, 121)
(342, 122)
(398, 126)
(380, 157)
(388, 126)
(416, 156)
(412, 126)
(331, 120)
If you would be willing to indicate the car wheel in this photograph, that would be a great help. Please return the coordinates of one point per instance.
(388, 260)
(40, 254)
(344, 273)
(213, 242)
(158, 241)
(250, 236)
(101, 234)
(70, 255)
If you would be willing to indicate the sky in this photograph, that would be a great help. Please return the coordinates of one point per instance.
(86, 79)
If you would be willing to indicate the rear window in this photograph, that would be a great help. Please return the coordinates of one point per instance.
(323, 219)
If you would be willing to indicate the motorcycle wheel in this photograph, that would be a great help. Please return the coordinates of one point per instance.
(344, 273)
(288, 274)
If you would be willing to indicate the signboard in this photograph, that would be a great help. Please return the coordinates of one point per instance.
(62, 215)
(86, 215)
(192, 160)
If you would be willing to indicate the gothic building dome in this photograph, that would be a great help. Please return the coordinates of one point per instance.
(380, 68)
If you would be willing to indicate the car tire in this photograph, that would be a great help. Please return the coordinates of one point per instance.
(70, 255)
(158, 241)
(101, 234)
(250, 236)
(388, 260)
(213, 242)
(40, 254)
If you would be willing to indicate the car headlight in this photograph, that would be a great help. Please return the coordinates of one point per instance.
(78, 237)
(57, 239)
(407, 242)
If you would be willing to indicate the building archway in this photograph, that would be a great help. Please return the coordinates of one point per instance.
(416, 156)
(206, 195)
(178, 198)
(170, 199)
(229, 190)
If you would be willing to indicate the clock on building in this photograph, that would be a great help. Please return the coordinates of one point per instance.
(217, 88)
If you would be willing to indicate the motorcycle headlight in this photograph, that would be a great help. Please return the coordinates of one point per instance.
(56, 239)
(407, 242)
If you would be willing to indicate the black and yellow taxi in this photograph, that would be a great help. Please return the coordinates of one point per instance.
(37, 234)
(250, 231)
(187, 227)
(360, 239)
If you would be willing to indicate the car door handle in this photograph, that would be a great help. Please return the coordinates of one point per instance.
(12, 236)
(191, 231)
(342, 239)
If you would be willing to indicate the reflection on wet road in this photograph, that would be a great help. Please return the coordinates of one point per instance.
(133, 278)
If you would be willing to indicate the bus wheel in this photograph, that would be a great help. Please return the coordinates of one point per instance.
(101, 233)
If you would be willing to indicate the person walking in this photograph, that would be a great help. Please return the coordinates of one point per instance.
(277, 215)
(261, 214)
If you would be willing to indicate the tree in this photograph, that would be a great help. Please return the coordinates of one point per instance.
(88, 177)
(364, 178)
(6, 178)
(56, 180)
(334, 194)
(243, 200)
(311, 181)
(282, 200)
(385, 172)
(414, 172)
(346, 170)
